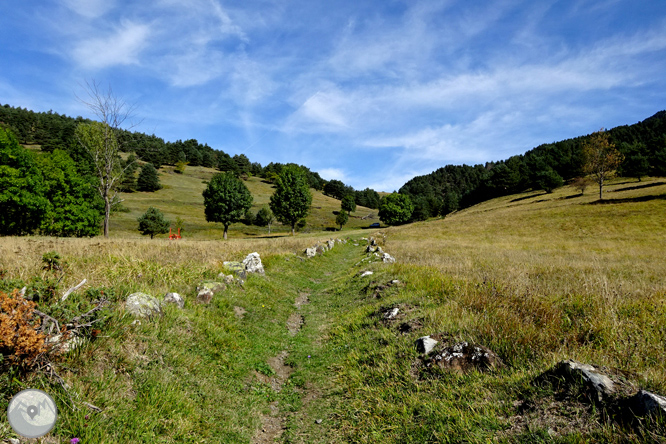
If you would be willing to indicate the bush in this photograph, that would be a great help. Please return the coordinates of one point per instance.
(20, 343)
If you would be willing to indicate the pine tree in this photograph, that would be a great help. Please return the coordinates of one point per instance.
(148, 179)
(152, 222)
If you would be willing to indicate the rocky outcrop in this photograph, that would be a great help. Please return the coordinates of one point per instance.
(387, 258)
(142, 305)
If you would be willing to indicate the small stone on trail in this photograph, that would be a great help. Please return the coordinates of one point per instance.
(425, 344)
(174, 298)
(391, 313)
(142, 305)
(387, 258)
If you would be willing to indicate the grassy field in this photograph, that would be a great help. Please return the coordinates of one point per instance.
(181, 197)
(535, 277)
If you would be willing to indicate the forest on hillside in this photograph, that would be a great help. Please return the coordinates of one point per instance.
(453, 187)
(53, 131)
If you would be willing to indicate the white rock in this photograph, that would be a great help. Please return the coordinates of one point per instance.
(366, 273)
(142, 305)
(253, 263)
(311, 252)
(174, 298)
(425, 344)
(392, 313)
(387, 258)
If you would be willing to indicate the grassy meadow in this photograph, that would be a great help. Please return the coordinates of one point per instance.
(181, 197)
(535, 277)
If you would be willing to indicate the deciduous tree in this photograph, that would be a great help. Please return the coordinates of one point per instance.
(99, 140)
(264, 218)
(348, 203)
(292, 198)
(22, 202)
(395, 209)
(226, 199)
(342, 218)
(601, 158)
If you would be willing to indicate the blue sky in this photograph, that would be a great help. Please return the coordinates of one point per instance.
(369, 92)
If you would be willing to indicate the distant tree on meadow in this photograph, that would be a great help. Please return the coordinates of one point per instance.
(548, 179)
(264, 218)
(636, 164)
(341, 219)
(292, 198)
(348, 203)
(601, 158)
(226, 200)
(152, 222)
(148, 179)
(395, 209)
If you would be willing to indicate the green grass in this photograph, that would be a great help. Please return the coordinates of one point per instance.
(181, 197)
(537, 278)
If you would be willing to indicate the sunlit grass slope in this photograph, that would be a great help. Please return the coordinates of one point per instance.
(181, 197)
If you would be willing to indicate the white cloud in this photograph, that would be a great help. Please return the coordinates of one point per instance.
(333, 174)
(122, 47)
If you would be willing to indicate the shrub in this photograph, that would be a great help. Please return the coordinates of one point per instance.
(20, 343)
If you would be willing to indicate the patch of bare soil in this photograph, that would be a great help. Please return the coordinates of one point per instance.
(272, 424)
(294, 323)
(239, 312)
(302, 299)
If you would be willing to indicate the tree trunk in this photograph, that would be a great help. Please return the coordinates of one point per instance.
(269, 228)
(292, 228)
(107, 214)
(601, 189)
(226, 227)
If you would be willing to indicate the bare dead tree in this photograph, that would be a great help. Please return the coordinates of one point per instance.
(100, 140)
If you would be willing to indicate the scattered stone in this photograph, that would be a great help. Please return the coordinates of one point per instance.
(379, 250)
(226, 278)
(391, 313)
(142, 305)
(320, 249)
(463, 357)
(174, 298)
(395, 282)
(318, 421)
(64, 346)
(373, 241)
(236, 267)
(311, 252)
(366, 273)
(598, 385)
(645, 403)
(136, 322)
(387, 258)
(207, 290)
(331, 244)
(205, 296)
(425, 344)
(253, 264)
(370, 249)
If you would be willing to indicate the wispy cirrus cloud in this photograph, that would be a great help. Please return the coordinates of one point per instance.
(123, 46)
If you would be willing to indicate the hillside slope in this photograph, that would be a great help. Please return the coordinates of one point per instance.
(181, 197)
